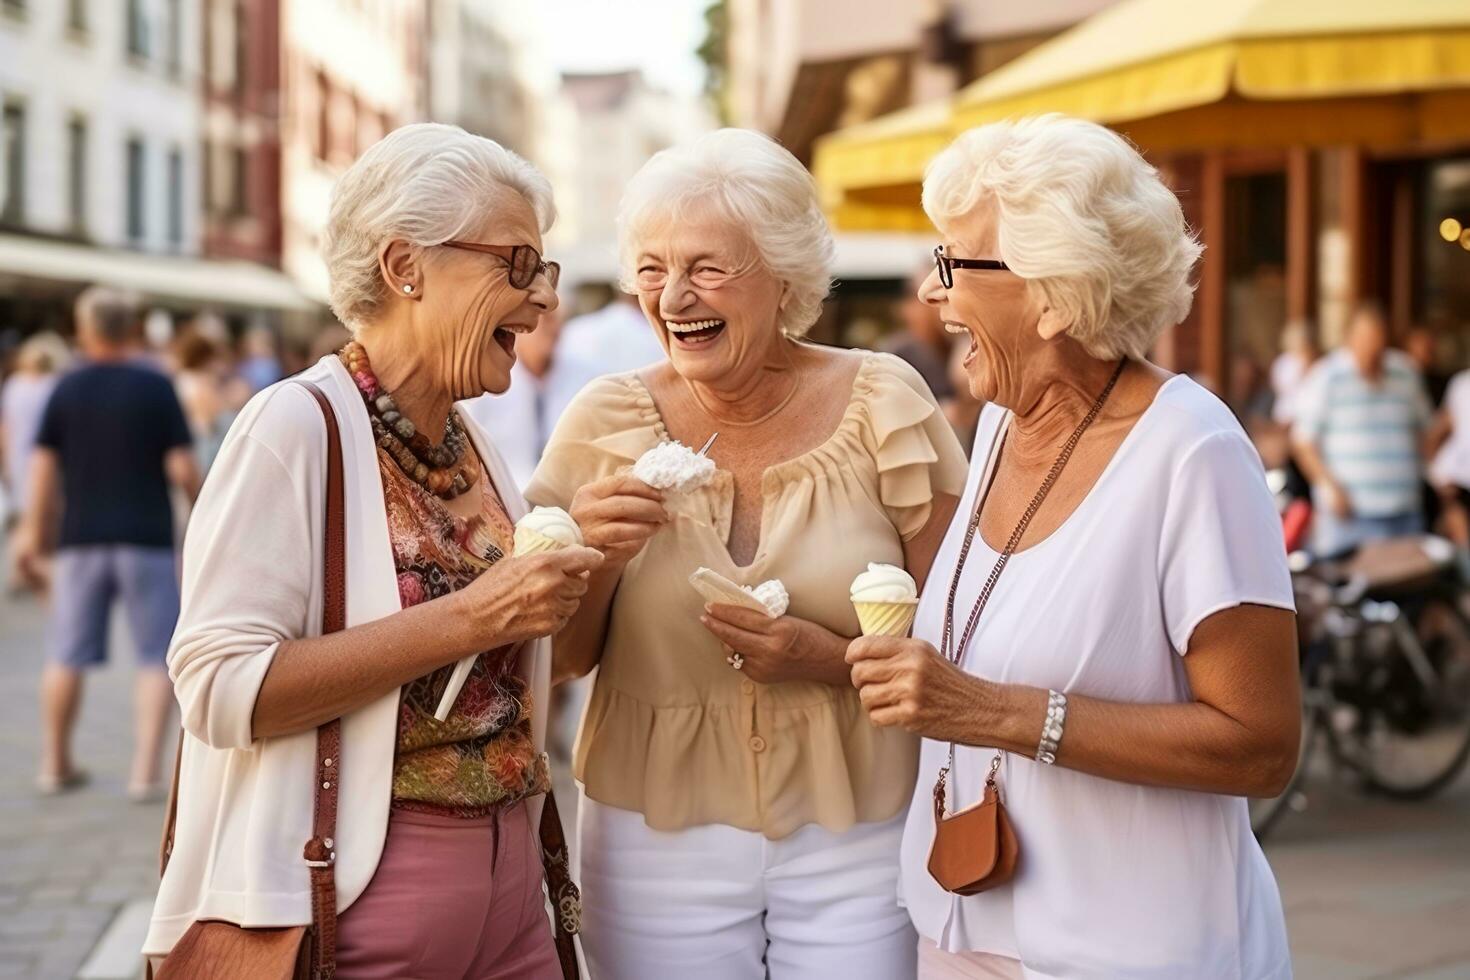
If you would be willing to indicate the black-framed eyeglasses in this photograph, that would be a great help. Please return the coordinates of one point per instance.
(947, 265)
(524, 261)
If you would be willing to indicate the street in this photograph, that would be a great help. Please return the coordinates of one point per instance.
(1372, 889)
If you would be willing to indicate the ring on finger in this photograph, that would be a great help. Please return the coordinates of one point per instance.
(736, 660)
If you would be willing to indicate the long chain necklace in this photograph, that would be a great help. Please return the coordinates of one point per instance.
(447, 469)
(955, 654)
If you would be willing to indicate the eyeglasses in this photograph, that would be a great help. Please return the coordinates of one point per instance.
(947, 265)
(524, 261)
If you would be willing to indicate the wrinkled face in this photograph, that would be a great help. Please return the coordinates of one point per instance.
(994, 308)
(470, 312)
(711, 301)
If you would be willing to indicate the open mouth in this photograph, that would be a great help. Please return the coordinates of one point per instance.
(960, 330)
(695, 333)
(505, 336)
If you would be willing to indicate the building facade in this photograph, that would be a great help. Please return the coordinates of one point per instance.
(241, 148)
(351, 72)
(101, 122)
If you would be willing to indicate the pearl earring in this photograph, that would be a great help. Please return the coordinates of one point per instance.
(407, 287)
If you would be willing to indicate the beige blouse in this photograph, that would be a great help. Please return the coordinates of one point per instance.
(671, 731)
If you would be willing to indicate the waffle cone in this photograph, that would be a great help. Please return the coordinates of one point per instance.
(886, 618)
(529, 542)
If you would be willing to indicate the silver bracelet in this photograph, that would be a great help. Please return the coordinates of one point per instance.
(1051, 729)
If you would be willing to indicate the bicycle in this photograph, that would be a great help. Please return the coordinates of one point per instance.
(1385, 669)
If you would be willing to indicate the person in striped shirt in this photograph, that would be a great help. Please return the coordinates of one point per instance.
(1360, 421)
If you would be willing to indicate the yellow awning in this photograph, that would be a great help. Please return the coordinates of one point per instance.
(869, 174)
(1145, 58)
(1186, 75)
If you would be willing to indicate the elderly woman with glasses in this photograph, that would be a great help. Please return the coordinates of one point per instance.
(433, 248)
(1107, 645)
(741, 817)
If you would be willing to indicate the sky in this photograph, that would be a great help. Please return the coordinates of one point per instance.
(658, 36)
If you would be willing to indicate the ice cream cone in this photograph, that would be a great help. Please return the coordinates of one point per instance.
(886, 618)
(532, 542)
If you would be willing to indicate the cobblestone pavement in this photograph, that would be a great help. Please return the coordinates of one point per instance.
(1372, 889)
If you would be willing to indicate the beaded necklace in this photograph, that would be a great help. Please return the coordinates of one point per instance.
(445, 470)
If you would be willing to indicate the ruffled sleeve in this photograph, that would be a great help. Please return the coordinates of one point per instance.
(607, 426)
(916, 451)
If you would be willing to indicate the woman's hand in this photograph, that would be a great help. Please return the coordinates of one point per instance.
(617, 515)
(525, 598)
(905, 683)
(781, 649)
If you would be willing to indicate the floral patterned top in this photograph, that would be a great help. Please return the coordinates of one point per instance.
(481, 757)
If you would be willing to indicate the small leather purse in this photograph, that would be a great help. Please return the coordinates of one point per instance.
(976, 849)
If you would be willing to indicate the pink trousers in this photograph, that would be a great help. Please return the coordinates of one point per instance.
(452, 899)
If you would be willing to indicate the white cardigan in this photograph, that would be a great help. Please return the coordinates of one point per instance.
(253, 578)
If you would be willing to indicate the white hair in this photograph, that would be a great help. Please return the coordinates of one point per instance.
(425, 184)
(1083, 217)
(751, 180)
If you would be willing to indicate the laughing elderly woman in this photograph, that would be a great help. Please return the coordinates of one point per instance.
(1133, 673)
(432, 245)
(740, 814)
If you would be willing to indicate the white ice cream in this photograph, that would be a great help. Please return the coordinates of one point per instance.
(553, 523)
(772, 595)
(884, 583)
(674, 466)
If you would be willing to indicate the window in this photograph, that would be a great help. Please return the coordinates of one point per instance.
(137, 29)
(136, 177)
(240, 185)
(176, 197)
(175, 55)
(76, 15)
(241, 52)
(76, 173)
(12, 163)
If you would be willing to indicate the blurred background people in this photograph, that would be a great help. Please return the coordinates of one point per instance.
(542, 384)
(1448, 446)
(610, 340)
(209, 390)
(23, 397)
(1422, 346)
(1360, 418)
(1289, 370)
(260, 363)
(922, 340)
(112, 440)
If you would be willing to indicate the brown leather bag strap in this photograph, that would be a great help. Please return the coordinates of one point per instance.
(566, 900)
(321, 851)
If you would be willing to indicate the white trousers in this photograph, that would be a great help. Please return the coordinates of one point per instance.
(719, 903)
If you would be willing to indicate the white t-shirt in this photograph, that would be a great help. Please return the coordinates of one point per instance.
(1115, 880)
(1451, 466)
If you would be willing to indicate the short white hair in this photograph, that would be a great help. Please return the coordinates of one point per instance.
(751, 180)
(1083, 217)
(425, 184)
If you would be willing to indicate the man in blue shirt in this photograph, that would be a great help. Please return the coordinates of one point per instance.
(1361, 416)
(112, 441)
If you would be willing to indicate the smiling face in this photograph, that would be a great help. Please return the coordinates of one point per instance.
(1006, 323)
(710, 300)
(468, 308)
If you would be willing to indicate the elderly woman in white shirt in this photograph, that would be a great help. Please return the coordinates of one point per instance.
(1129, 672)
(433, 248)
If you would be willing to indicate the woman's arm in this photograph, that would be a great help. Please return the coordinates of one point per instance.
(617, 515)
(1239, 736)
(788, 648)
(312, 681)
(919, 551)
